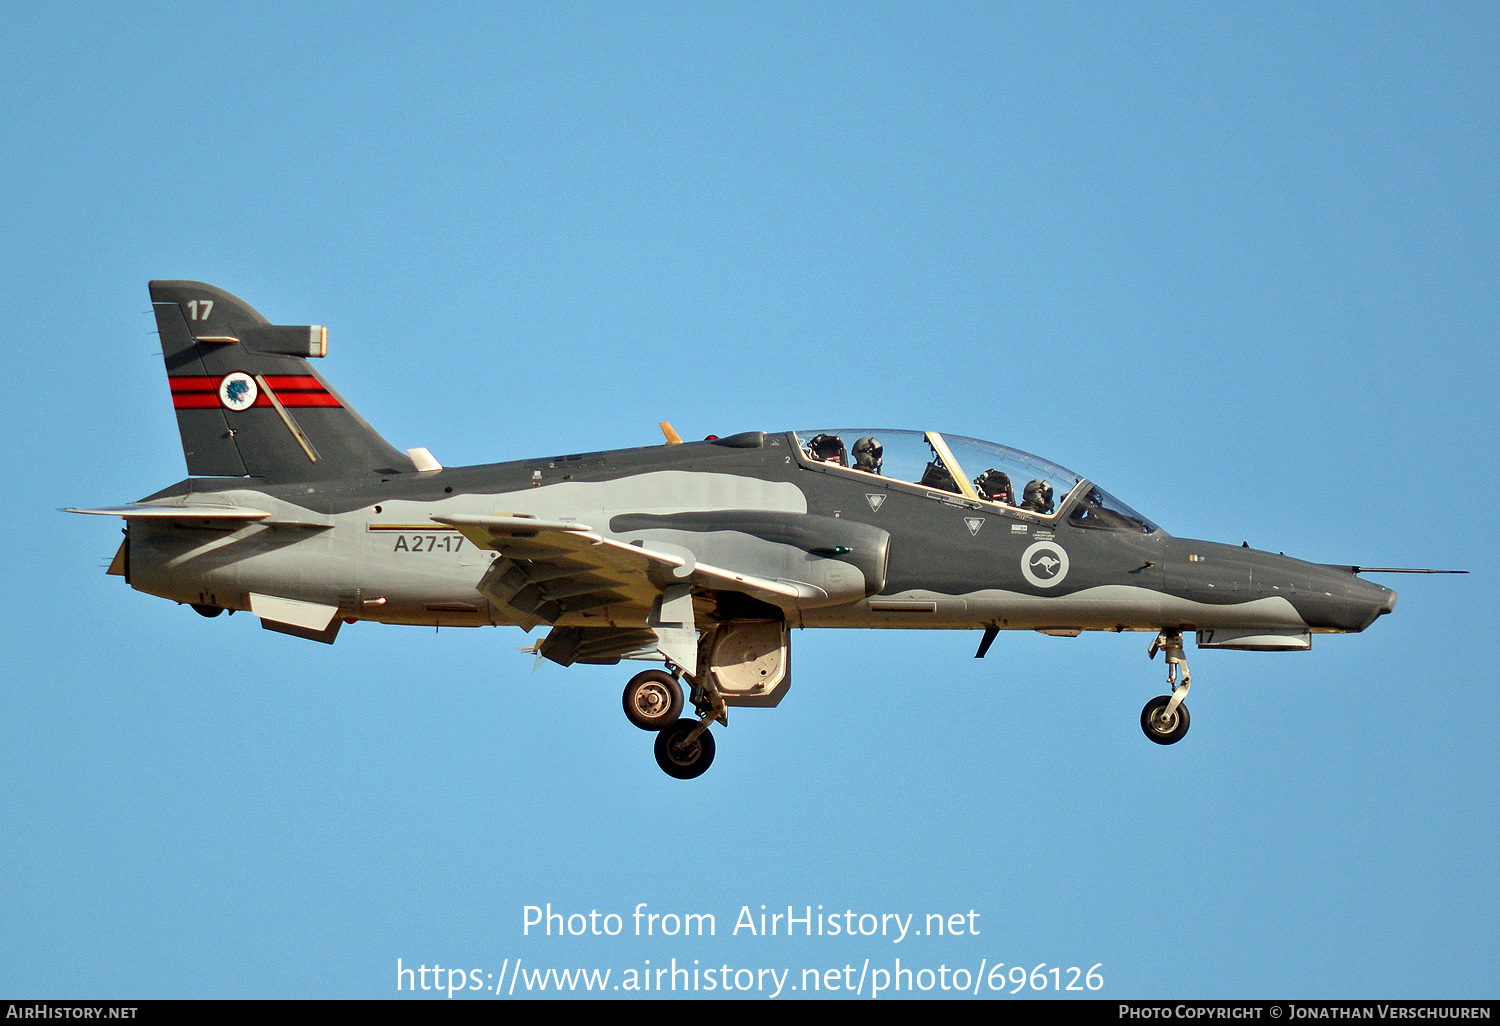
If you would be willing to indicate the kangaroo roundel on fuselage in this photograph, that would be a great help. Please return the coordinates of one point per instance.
(1044, 564)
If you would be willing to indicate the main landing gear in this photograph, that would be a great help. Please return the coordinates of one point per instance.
(685, 749)
(653, 700)
(1165, 719)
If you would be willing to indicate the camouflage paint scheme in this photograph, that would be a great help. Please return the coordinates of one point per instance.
(299, 511)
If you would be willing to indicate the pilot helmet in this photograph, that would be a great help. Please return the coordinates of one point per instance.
(1038, 496)
(868, 454)
(995, 485)
(828, 449)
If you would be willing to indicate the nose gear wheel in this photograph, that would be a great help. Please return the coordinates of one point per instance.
(1161, 726)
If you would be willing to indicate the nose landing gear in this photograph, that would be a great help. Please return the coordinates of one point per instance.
(1161, 726)
(1165, 718)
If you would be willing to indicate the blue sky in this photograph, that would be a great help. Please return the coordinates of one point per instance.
(1236, 263)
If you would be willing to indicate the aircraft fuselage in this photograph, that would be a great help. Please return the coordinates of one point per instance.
(700, 556)
(948, 562)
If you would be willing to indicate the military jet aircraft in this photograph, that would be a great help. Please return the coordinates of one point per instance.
(699, 555)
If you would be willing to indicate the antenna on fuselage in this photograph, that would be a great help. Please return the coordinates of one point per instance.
(1402, 570)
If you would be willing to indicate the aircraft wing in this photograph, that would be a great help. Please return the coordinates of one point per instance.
(551, 569)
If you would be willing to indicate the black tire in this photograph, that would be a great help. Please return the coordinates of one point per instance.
(1164, 733)
(653, 700)
(205, 610)
(684, 764)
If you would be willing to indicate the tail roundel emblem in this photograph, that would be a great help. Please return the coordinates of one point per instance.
(238, 391)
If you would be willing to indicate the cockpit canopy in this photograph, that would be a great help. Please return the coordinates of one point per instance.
(982, 472)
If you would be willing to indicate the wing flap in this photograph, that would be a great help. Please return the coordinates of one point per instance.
(597, 645)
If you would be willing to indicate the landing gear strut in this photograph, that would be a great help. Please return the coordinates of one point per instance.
(653, 701)
(1165, 718)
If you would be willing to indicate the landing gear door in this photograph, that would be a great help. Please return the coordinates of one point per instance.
(751, 662)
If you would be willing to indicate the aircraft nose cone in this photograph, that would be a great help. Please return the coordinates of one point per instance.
(1377, 599)
(1338, 599)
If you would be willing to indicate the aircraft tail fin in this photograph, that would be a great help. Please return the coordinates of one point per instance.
(247, 400)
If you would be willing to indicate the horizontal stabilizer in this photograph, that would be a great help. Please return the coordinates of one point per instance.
(139, 510)
(289, 515)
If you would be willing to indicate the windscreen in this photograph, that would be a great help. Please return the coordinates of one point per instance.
(1102, 511)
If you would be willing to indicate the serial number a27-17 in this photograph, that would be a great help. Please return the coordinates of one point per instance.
(701, 556)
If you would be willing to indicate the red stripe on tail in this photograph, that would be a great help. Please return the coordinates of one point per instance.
(199, 392)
